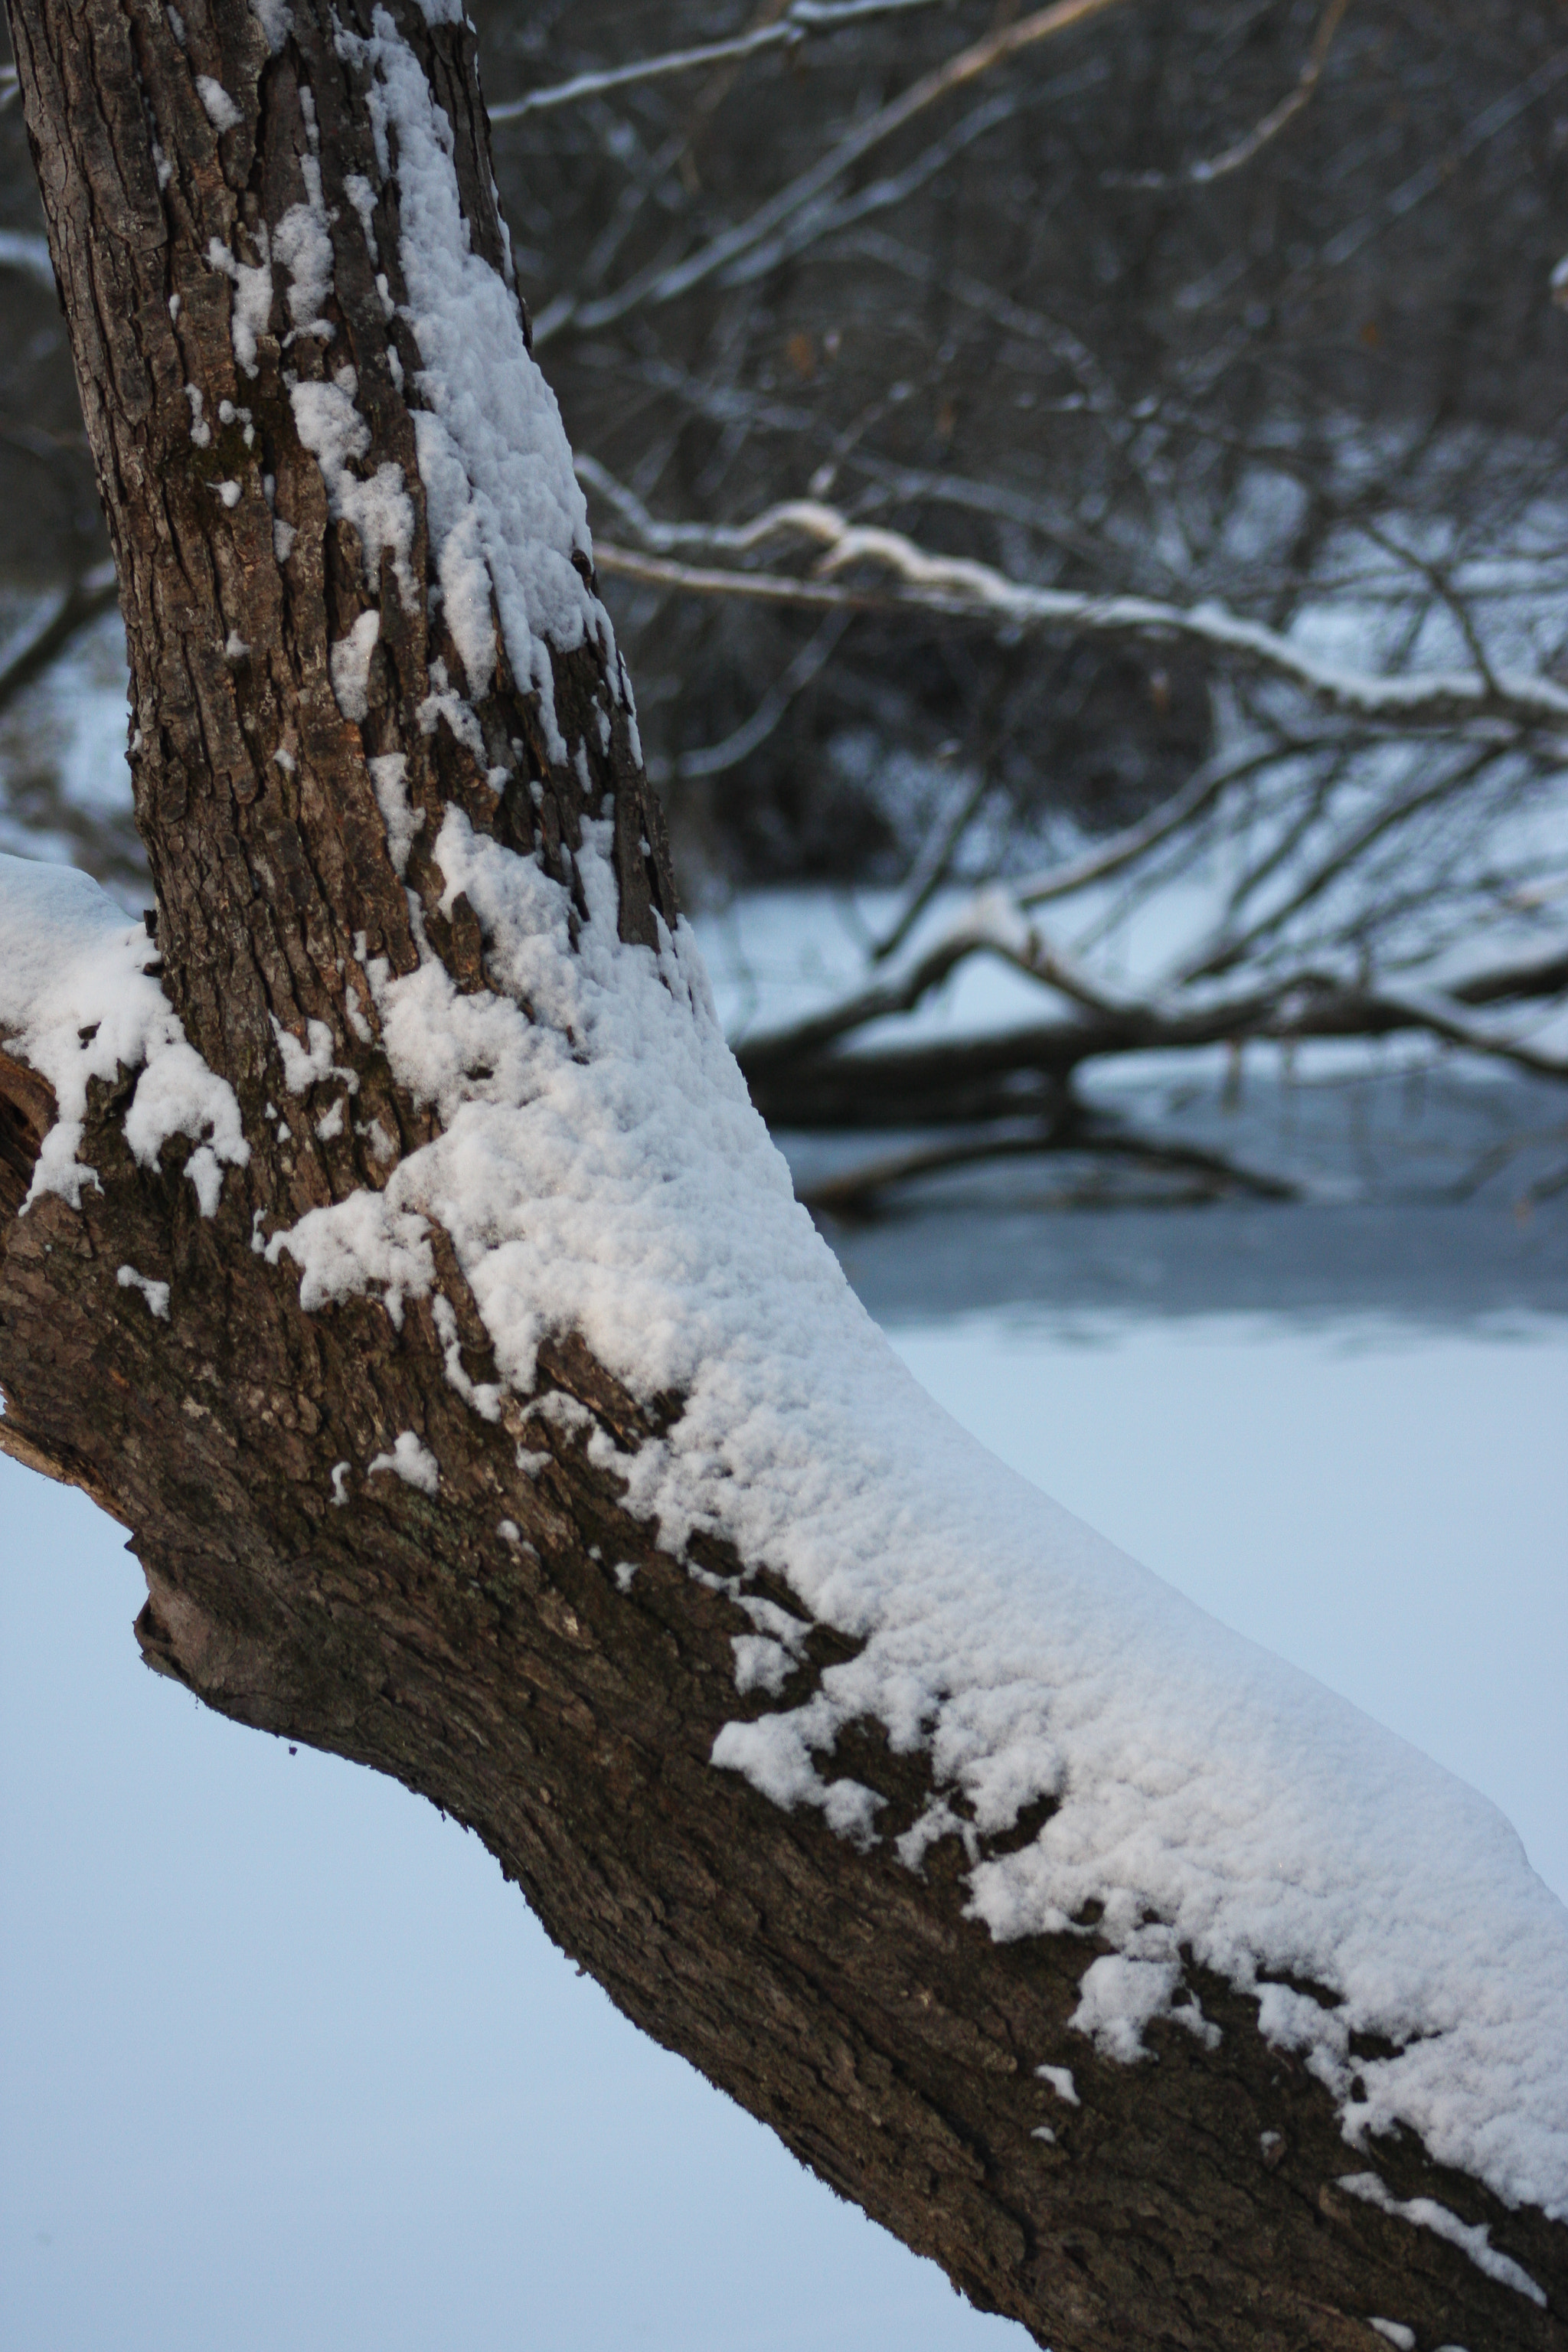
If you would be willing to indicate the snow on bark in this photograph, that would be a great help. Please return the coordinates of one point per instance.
(600, 1170)
(79, 1002)
(1473, 2238)
(507, 516)
(607, 1175)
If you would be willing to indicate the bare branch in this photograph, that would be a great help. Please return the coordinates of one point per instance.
(715, 759)
(1433, 174)
(1344, 855)
(801, 22)
(662, 283)
(1242, 150)
(798, 1081)
(1194, 800)
(854, 1193)
(84, 601)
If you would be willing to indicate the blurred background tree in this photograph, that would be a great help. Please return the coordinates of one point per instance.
(1253, 304)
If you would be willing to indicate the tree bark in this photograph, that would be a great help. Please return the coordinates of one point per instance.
(565, 1713)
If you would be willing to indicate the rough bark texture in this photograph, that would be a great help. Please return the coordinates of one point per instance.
(846, 2001)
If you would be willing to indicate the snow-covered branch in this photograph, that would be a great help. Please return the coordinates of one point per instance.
(893, 571)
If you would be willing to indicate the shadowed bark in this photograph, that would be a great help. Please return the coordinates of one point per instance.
(508, 1676)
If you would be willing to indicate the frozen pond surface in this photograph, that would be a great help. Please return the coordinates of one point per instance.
(285, 2063)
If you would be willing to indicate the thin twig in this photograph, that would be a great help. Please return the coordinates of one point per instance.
(801, 22)
(661, 282)
(716, 758)
(1207, 965)
(938, 868)
(1241, 152)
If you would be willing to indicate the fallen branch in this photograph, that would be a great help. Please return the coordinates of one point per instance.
(800, 1077)
(853, 1194)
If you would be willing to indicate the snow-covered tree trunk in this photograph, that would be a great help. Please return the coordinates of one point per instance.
(391, 1246)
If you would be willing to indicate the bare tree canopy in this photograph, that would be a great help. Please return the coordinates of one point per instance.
(1106, 447)
(391, 1245)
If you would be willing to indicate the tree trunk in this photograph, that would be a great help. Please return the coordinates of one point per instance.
(236, 202)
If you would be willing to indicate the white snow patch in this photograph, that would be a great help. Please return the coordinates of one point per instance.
(389, 775)
(1472, 2238)
(1061, 2082)
(1393, 2331)
(221, 109)
(1118, 1997)
(358, 1244)
(340, 1483)
(361, 195)
(380, 510)
(458, 713)
(413, 1462)
(483, 1396)
(156, 1293)
(77, 1003)
(302, 240)
(275, 20)
(1044, 2131)
(306, 1065)
(760, 1663)
(349, 658)
(251, 311)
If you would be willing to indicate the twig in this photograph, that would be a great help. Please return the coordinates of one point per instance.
(1195, 799)
(799, 23)
(1207, 965)
(715, 759)
(661, 282)
(938, 868)
(1441, 168)
(1241, 152)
